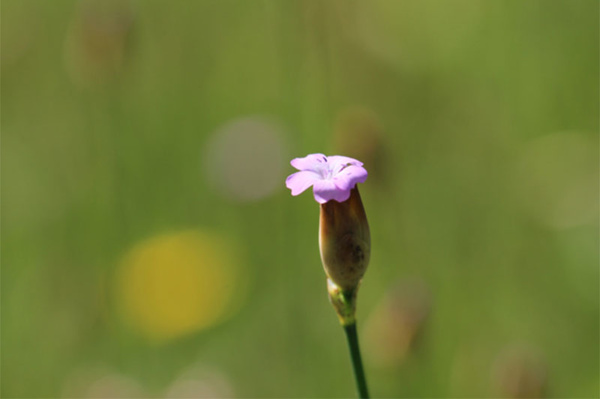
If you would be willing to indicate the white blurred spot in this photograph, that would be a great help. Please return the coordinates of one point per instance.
(200, 382)
(245, 159)
(98, 382)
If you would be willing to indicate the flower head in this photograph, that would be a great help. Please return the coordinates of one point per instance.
(332, 177)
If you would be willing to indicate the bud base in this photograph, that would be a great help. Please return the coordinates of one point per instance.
(344, 302)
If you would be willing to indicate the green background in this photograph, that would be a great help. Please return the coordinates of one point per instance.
(478, 123)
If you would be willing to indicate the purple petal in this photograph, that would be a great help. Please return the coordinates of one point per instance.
(349, 176)
(300, 181)
(337, 162)
(326, 190)
(309, 162)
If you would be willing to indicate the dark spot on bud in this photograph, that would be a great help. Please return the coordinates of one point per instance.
(358, 254)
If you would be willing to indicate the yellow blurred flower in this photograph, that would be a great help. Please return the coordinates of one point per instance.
(175, 284)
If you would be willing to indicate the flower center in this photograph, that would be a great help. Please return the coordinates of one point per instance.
(328, 170)
(325, 172)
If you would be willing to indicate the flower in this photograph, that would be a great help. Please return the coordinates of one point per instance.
(332, 177)
(344, 236)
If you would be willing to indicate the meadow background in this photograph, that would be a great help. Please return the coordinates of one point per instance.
(151, 249)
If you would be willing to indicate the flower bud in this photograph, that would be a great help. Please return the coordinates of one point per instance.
(345, 241)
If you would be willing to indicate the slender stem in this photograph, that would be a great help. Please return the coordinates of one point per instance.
(359, 373)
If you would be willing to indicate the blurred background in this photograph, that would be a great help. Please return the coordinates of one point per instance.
(151, 249)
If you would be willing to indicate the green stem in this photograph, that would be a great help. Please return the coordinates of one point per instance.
(359, 373)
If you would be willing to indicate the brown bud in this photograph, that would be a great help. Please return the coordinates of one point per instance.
(345, 241)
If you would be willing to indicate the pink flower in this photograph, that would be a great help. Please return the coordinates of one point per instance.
(332, 177)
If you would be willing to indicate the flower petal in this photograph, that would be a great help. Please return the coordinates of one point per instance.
(349, 176)
(326, 190)
(338, 162)
(309, 162)
(300, 181)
